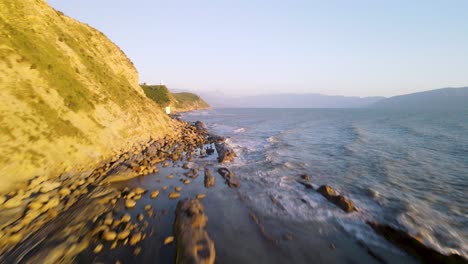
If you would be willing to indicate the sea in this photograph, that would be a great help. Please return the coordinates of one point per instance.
(405, 168)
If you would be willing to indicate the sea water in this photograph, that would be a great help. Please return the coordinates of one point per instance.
(405, 168)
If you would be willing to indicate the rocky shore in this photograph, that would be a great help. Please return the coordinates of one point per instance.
(149, 201)
(56, 219)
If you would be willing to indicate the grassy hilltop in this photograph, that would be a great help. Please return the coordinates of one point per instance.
(179, 102)
(69, 96)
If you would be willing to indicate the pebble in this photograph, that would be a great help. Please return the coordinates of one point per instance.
(164, 188)
(200, 196)
(130, 203)
(186, 182)
(170, 176)
(174, 195)
(168, 240)
(147, 207)
(178, 189)
(109, 235)
(123, 235)
(154, 194)
(139, 191)
(135, 239)
(137, 251)
(98, 248)
(126, 218)
(140, 217)
(64, 191)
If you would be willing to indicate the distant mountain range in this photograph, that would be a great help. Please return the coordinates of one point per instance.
(445, 98)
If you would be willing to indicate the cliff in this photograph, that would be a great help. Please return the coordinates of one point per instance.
(179, 102)
(69, 96)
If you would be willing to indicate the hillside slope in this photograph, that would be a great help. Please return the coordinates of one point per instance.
(179, 102)
(69, 95)
(445, 98)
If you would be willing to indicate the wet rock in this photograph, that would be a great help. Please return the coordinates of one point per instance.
(170, 176)
(178, 189)
(168, 240)
(209, 180)
(147, 207)
(230, 177)
(305, 177)
(225, 153)
(164, 188)
(200, 126)
(154, 194)
(288, 237)
(413, 246)
(130, 203)
(339, 200)
(166, 164)
(193, 242)
(201, 196)
(174, 195)
(186, 182)
(192, 173)
(210, 151)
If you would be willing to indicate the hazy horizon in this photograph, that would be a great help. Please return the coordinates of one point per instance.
(359, 49)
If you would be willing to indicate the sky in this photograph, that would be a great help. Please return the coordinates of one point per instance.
(246, 47)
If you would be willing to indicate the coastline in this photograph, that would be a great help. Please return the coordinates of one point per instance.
(75, 228)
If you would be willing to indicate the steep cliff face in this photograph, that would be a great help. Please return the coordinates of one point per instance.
(69, 96)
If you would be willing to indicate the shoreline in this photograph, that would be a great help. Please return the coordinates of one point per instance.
(74, 226)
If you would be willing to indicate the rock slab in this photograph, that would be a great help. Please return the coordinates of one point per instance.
(193, 243)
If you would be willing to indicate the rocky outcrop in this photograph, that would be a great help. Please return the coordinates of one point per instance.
(209, 180)
(230, 177)
(339, 200)
(413, 245)
(225, 152)
(194, 245)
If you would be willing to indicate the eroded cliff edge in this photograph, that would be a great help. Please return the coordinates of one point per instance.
(70, 97)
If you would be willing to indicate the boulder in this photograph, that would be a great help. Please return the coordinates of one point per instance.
(413, 246)
(209, 180)
(192, 173)
(192, 240)
(339, 200)
(225, 153)
(230, 177)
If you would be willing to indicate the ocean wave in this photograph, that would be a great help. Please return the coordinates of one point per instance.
(239, 130)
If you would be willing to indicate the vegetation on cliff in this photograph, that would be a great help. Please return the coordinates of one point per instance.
(179, 102)
(70, 96)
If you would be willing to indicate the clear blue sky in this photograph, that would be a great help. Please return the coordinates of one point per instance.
(359, 48)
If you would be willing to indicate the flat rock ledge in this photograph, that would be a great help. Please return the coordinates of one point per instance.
(225, 152)
(194, 245)
(413, 245)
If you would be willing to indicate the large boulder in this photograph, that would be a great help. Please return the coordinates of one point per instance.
(230, 177)
(413, 245)
(194, 245)
(339, 200)
(225, 153)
